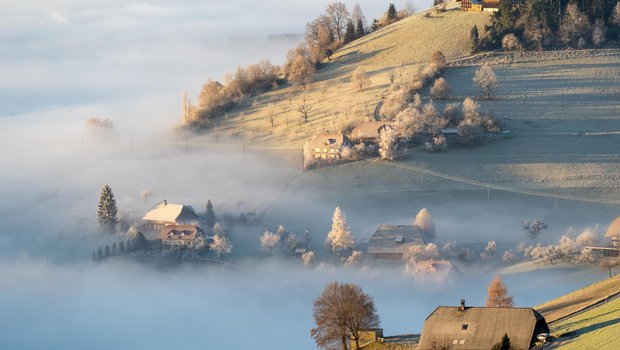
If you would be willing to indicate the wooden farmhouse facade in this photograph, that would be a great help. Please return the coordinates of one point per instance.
(182, 237)
(329, 146)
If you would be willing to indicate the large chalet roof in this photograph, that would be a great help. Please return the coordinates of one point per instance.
(368, 129)
(171, 213)
(329, 140)
(180, 232)
(480, 328)
(394, 239)
(614, 228)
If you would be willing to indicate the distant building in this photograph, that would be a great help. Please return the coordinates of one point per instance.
(328, 146)
(182, 237)
(169, 214)
(431, 270)
(613, 232)
(490, 5)
(369, 131)
(471, 5)
(479, 328)
(391, 241)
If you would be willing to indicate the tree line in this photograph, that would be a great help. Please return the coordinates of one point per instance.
(540, 24)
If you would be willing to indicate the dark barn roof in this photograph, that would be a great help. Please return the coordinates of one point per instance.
(479, 328)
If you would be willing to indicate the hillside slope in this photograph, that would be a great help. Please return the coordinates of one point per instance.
(415, 38)
(569, 303)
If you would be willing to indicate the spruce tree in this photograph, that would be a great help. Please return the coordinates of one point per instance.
(107, 251)
(99, 253)
(359, 29)
(375, 25)
(349, 35)
(475, 39)
(121, 248)
(114, 249)
(391, 14)
(210, 214)
(106, 212)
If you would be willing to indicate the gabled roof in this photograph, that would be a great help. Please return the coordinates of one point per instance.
(173, 213)
(394, 239)
(368, 129)
(180, 232)
(481, 327)
(328, 140)
(614, 228)
(491, 4)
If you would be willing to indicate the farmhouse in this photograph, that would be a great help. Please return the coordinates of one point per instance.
(182, 237)
(479, 328)
(471, 5)
(391, 241)
(169, 214)
(369, 131)
(490, 5)
(328, 146)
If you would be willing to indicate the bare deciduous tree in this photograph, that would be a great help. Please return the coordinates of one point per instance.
(409, 122)
(498, 294)
(360, 79)
(338, 16)
(340, 313)
(301, 72)
(304, 109)
(394, 103)
(534, 227)
(486, 80)
(575, 25)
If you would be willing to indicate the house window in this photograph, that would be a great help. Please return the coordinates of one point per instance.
(455, 341)
(317, 150)
(464, 326)
(462, 341)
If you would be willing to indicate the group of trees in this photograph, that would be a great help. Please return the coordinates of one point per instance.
(113, 250)
(216, 98)
(392, 15)
(537, 24)
(282, 240)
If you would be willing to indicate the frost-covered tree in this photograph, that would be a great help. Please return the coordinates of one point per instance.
(354, 258)
(301, 72)
(269, 241)
(394, 103)
(409, 122)
(340, 237)
(106, 211)
(575, 25)
(498, 294)
(220, 246)
(486, 80)
(360, 79)
(145, 195)
(615, 18)
(424, 220)
(598, 33)
(340, 313)
(491, 248)
(509, 256)
(388, 144)
(440, 89)
(586, 238)
(308, 258)
(510, 42)
(209, 214)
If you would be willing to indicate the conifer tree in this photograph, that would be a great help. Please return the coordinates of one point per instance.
(210, 214)
(99, 253)
(498, 294)
(340, 237)
(107, 251)
(359, 29)
(391, 14)
(106, 212)
(475, 39)
(349, 34)
(121, 248)
(114, 249)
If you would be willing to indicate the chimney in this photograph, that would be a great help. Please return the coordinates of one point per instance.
(165, 202)
(462, 308)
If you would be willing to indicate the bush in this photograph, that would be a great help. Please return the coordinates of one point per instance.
(511, 43)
